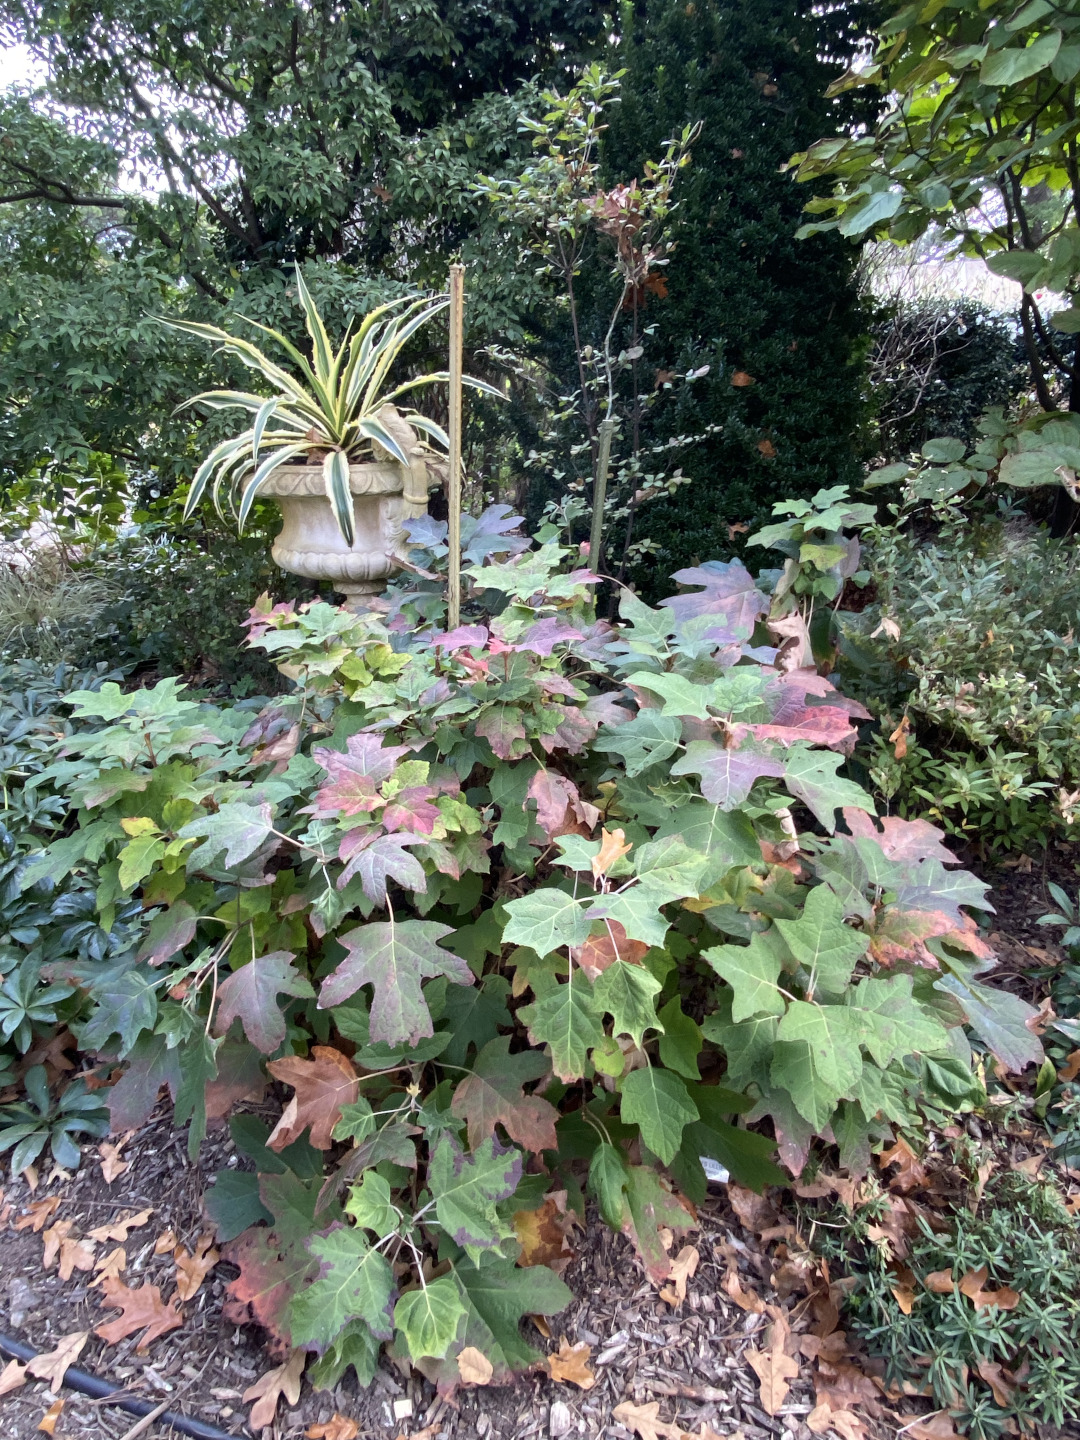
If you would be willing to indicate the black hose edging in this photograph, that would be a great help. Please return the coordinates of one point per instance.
(102, 1390)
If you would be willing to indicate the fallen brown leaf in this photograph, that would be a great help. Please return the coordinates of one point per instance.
(336, 1428)
(112, 1167)
(269, 1388)
(51, 1416)
(571, 1364)
(1071, 1068)
(544, 1233)
(109, 1266)
(118, 1229)
(972, 1284)
(904, 1292)
(911, 1173)
(12, 1376)
(773, 1367)
(645, 1420)
(140, 1308)
(741, 379)
(746, 1299)
(52, 1367)
(934, 1427)
(755, 1211)
(474, 1367)
(192, 1269)
(996, 1377)
(1029, 1167)
(824, 1420)
(683, 1268)
(165, 1242)
(39, 1213)
(940, 1282)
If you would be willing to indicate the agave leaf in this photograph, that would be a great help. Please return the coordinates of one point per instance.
(336, 478)
(223, 400)
(266, 410)
(261, 475)
(427, 427)
(321, 349)
(372, 428)
(222, 451)
(390, 345)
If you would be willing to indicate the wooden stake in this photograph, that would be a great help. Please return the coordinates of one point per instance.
(603, 464)
(457, 331)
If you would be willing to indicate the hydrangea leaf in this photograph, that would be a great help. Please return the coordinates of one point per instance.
(811, 777)
(394, 958)
(237, 828)
(817, 1058)
(370, 1204)
(658, 1103)
(566, 1018)
(891, 1022)
(827, 947)
(428, 1318)
(353, 1281)
(375, 858)
(728, 773)
(466, 1188)
(628, 994)
(493, 1094)
(545, 920)
(250, 995)
(753, 972)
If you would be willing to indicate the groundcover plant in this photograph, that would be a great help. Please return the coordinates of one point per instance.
(550, 902)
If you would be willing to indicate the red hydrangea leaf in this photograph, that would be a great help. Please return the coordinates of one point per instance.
(501, 727)
(411, 809)
(250, 994)
(493, 1094)
(355, 776)
(728, 773)
(323, 1084)
(376, 858)
(901, 840)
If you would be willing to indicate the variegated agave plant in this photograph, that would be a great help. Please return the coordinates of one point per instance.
(329, 407)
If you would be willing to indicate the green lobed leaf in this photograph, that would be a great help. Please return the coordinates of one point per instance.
(753, 972)
(429, 1318)
(466, 1188)
(628, 994)
(827, 947)
(657, 1102)
(353, 1281)
(545, 920)
(566, 1017)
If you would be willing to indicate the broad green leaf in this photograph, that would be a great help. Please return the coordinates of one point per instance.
(546, 920)
(237, 828)
(728, 773)
(817, 1058)
(370, 1205)
(353, 1281)
(753, 972)
(997, 1017)
(138, 858)
(394, 958)
(725, 838)
(811, 777)
(609, 1175)
(250, 995)
(747, 1045)
(566, 1018)
(628, 994)
(233, 1203)
(657, 1102)
(744, 1153)
(428, 1318)
(126, 1005)
(680, 1042)
(653, 1210)
(498, 1294)
(355, 1346)
(823, 943)
(1015, 63)
(680, 696)
(669, 868)
(878, 207)
(891, 1023)
(652, 736)
(637, 910)
(466, 1188)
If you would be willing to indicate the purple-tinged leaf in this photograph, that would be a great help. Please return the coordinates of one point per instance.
(170, 931)
(467, 1187)
(394, 959)
(606, 710)
(573, 732)
(728, 773)
(729, 590)
(541, 638)
(355, 776)
(375, 858)
(411, 809)
(464, 637)
(901, 840)
(501, 727)
(816, 724)
(250, 994)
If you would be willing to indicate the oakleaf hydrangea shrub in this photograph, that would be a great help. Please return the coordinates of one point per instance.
(549, 901)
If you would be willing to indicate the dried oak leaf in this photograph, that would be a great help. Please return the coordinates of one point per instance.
(940, 1282)
(47, 1423)
(746, 1299)
(544, 1233)
(572, 1364)
(52, 1367)
(824, 1420)
(474, 1367)
(911, 1173)
(756, 1212)
(934, 1427)
(1071, 1069)
(192, 1268)
(39, 1213)
(142, 1309)
(613, 846)
(1001, 1382)
(269, 1388)
(110, 1266)
(683, 1267)
(645, 1420)
(323, 1085)
(111, 1165)
(774, 1367)
(336, 1428)
(972, 1284)
(118, 1229)
(12, 1376)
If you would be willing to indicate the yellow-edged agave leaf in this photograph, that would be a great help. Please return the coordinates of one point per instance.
(336, 478)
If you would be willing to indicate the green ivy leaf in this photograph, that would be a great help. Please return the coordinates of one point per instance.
(628, 994)
(394, 957)
(353, 1281)
(657, 1102)
(429, 1318)
(823, 943)
(566, 1018)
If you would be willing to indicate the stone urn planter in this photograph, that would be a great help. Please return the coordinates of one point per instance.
(385, 494)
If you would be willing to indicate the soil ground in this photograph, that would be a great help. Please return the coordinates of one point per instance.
(691, 1359)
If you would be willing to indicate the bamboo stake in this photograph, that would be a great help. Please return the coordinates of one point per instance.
(603, 462)
(457, 330)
